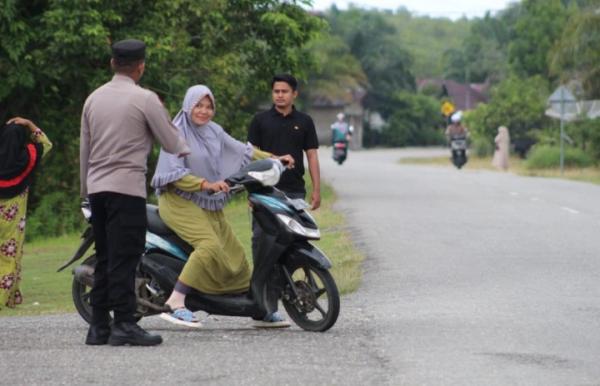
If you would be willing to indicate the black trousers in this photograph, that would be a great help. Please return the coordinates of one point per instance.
(257, 232)
(119, 224)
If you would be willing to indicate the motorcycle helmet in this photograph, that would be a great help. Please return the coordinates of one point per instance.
(456, 117)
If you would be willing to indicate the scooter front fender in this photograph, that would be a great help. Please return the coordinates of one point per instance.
(308, 253)
(86, 243)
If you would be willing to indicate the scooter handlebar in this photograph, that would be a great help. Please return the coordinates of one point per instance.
(233, 188)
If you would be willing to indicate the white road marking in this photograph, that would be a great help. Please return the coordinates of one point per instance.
(514, 193)
(569, 210)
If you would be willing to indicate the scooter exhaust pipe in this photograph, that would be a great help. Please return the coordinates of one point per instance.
(158, 267)
(84, 274)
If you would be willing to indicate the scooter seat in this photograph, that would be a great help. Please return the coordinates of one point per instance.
(158, 227)
(155, 223)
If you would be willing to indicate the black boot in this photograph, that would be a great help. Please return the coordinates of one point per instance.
(98, 334)
(99, 330)
(130, 333)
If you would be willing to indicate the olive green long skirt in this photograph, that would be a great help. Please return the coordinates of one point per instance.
(218, 264)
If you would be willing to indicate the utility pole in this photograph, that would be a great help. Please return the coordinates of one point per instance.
(562, 130)
(468, 84)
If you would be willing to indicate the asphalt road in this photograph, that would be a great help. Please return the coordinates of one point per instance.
(471, 278)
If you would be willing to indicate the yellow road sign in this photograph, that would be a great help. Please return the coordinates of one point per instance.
(447, 108)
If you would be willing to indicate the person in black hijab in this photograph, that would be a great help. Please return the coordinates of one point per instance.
(22, 146)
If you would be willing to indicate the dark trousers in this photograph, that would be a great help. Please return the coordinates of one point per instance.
(119, 224)
(256, 235)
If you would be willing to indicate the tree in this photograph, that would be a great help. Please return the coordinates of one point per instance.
(484, 52)
(54, 53)
(577, 54)
(516, 103)
(373, 41)
(538, 27)
(414, 122)
(336, 71)
(426, 39)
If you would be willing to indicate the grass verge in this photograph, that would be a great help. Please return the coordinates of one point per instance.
(516, 165)
(46, 291)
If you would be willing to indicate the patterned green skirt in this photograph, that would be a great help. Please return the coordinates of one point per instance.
(12, 235)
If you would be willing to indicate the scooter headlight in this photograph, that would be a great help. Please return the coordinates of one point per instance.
(87, 212)
(298, 228)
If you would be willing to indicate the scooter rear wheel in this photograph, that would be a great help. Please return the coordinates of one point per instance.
(81, 293)
(315, 303)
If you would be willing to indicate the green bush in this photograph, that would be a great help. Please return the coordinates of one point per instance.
(594, 145)
(515, 103)
(409, 134)
(544, 157)
(586, 134)
(482, 147)
(415, 122)
(55, 215)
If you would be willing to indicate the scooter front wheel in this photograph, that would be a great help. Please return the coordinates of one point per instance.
(311, 298)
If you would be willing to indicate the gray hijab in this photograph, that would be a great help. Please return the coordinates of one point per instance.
(214, 155)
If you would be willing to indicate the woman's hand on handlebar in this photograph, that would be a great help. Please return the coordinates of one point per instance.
(287, 160)
(215, 187)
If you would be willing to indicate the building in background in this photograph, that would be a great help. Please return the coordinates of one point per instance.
(463, 96)
(323, 111)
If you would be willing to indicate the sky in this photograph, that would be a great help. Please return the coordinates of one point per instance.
(453, 9)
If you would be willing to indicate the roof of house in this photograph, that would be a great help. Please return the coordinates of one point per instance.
(463, 96)
(354, 95)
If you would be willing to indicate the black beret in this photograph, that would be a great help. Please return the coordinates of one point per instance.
(129, 50)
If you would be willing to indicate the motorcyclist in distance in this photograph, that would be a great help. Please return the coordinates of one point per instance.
(341, 129)
(455, 128)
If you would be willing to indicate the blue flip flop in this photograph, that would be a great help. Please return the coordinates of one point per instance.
(181, 316)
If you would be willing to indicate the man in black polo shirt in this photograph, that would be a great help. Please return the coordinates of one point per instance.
(285, 130)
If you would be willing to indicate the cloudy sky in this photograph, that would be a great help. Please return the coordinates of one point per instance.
(453, 9)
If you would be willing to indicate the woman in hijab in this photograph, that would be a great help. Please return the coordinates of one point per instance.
(188, 206)
(502, 143)
(22, 145)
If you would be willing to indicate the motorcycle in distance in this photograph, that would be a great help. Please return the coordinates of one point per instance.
(458, 146)
(287, 266)
(340, 151)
